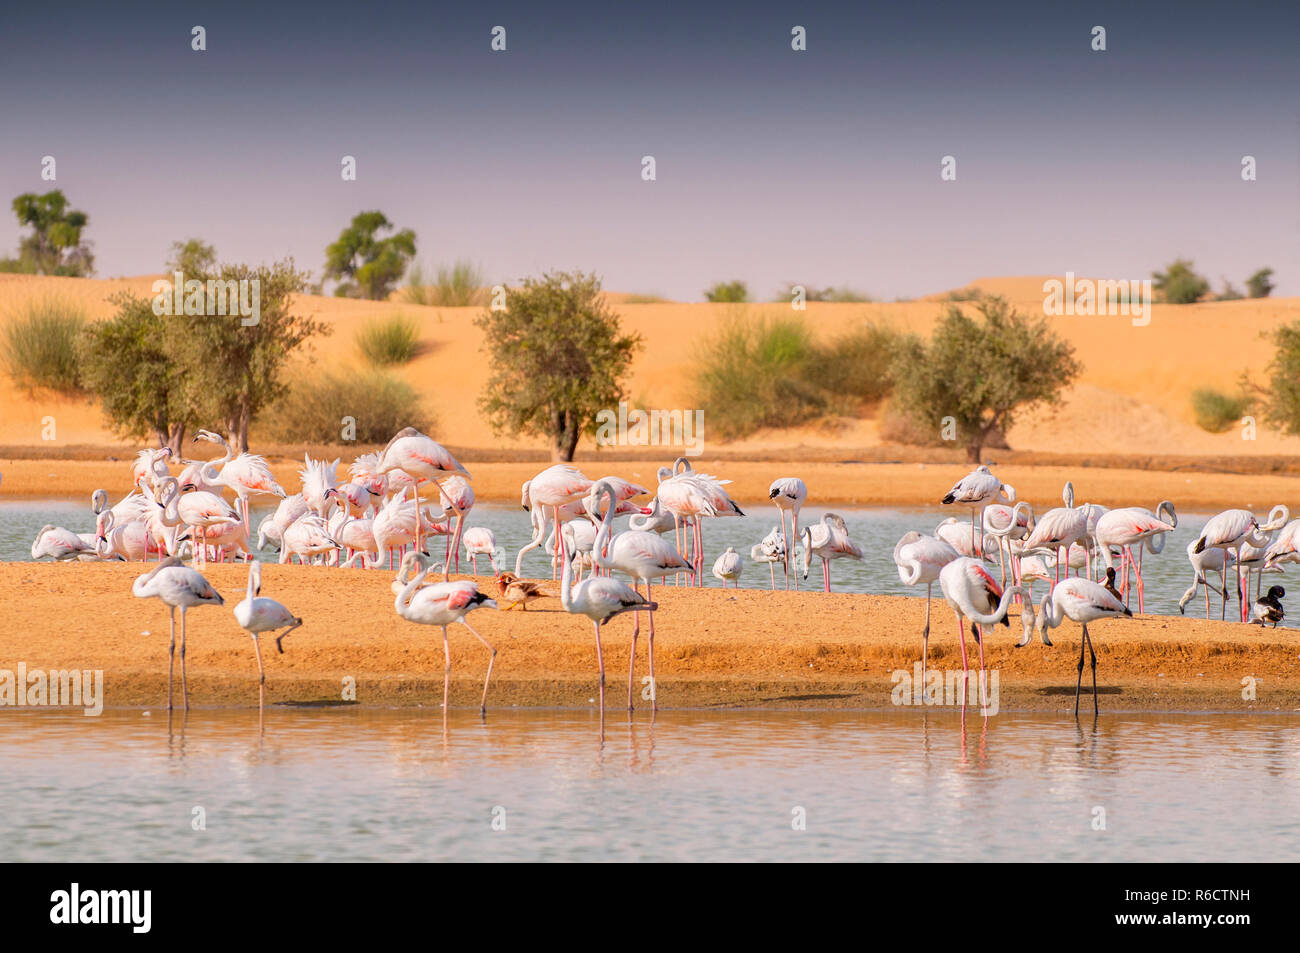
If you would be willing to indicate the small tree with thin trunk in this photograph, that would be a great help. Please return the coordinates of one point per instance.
(558, 355)
(1260, 284)
(980, 372)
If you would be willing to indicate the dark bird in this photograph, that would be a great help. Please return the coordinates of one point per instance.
(1268, 608)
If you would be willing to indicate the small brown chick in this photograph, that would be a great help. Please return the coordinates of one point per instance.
(1110, 584)
(518, 592)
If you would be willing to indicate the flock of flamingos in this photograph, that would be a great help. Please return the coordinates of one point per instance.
(378, 515)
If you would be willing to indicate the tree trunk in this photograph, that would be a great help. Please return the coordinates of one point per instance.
(973, 451)
(564, 436)
(175, 439)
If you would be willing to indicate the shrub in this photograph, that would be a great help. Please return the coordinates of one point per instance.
(1216, 411)
(966, 294)
(317, 406)
(755, 372)
(854, 368)
(1260, 284)
(1180, 284)
(644, 299)
(728, 292)
(40, 344)
(387, 341)
(460, 285)
(832, 294)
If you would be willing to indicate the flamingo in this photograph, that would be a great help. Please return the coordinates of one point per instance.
(972, 592)
(318, 480)
(919, 560)
(1060, 528)
(132, 541)
(977, 489)
(481, 541)
(419, 457)
(396, 525)
(245, 474)
(1285, 547)
(177, 587)
(644, 556)
(600, 598)
(442, 604)
(257, 614)
(713, 490)
(655, 519)
(1083, 601)
(1203, 563)
(1130, 526)
(789, 493)
(61, 544)
(150, 466)
(728, 567)
(288, 510)
(1009, 525)
(580, 538)
(1230, 529)
(357, 536)
(556, 486)
(828, 540)
(770, 550)
(307, 537)
(457, 495)
(201, 511)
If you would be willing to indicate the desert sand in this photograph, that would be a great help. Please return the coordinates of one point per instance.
(715, 648)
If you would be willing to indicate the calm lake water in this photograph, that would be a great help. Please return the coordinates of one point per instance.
(362, 785)
(876, 530)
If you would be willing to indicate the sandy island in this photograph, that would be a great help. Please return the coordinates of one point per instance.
(715, 649)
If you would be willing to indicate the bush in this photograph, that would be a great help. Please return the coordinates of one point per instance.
(40, 345)
(728, 292)
(755, 372)
(854, 368)
(966, 294)
(1216, 411)
(1260, 284)
(832, 294)
(317, 406)
(387, 341)
(645, 299)
(1180, 284)
(460, 285)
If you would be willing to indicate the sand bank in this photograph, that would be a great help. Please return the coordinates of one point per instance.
(715, 649)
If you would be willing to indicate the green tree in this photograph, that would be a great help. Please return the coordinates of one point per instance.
(1281, 399)
(981, 372)
(232, 370)
(1260, 284)
(364, 264)
(192, 257)
(54, 247)
(124, 363)
(730, 292)
(1180, 284)
(557, 356)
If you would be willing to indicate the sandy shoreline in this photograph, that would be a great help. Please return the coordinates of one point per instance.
(829, 484)
(715, 649)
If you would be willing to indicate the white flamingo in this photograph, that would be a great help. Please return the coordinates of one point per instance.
(827, 540)
(977, 489)
(1083, 601)
(177, 587)
(257, 614)
(920, 559)
(728, 567)
(789, 493)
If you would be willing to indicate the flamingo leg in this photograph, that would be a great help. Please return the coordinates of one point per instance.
(1096, 704)
(482, 705)
(446, 675)
(794, 525)
(1079, 681)
(261, 675)
(631, 656)
(171, 657)
(965, 667)
(600, 665)
(984, 704)
(185, 686)
(654, 685)
(925, 633)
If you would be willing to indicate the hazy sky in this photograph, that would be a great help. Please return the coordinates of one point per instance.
(820, 167)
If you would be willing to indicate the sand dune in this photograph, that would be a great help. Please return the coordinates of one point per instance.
(1133, 396)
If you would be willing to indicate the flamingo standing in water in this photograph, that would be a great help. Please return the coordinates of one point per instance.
(177, 587)
(919, 560)
(150, 466)
(976, 490)
(1204, 562)
(828, 540)
(972, 592)
(600, 598)
(1134, 526)
(555, 487)
(61, 544)
(644, 556)
(456, 495)
(257, 614)
(442, 604)
(1083, 601)
(789, 493)
(1059, 529)
(201, 511)
(772, 550)
(422, 458)
(481, 541)
(1230, 529)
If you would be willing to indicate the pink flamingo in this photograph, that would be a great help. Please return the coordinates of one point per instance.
(150, 466)
(421, 458)
(919, 560)
(201, 511)
(971, 591)
(443, 604)
(789, 493)
(1083, 601)
(1230, 529)
(828, 540)
(245, 474)
(556, 486)
(644, 556)
(1130, 526)
(772, 550)
(1060, 528)
(456, 495)
(977, 489)
(481, 541)
(61, 544)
